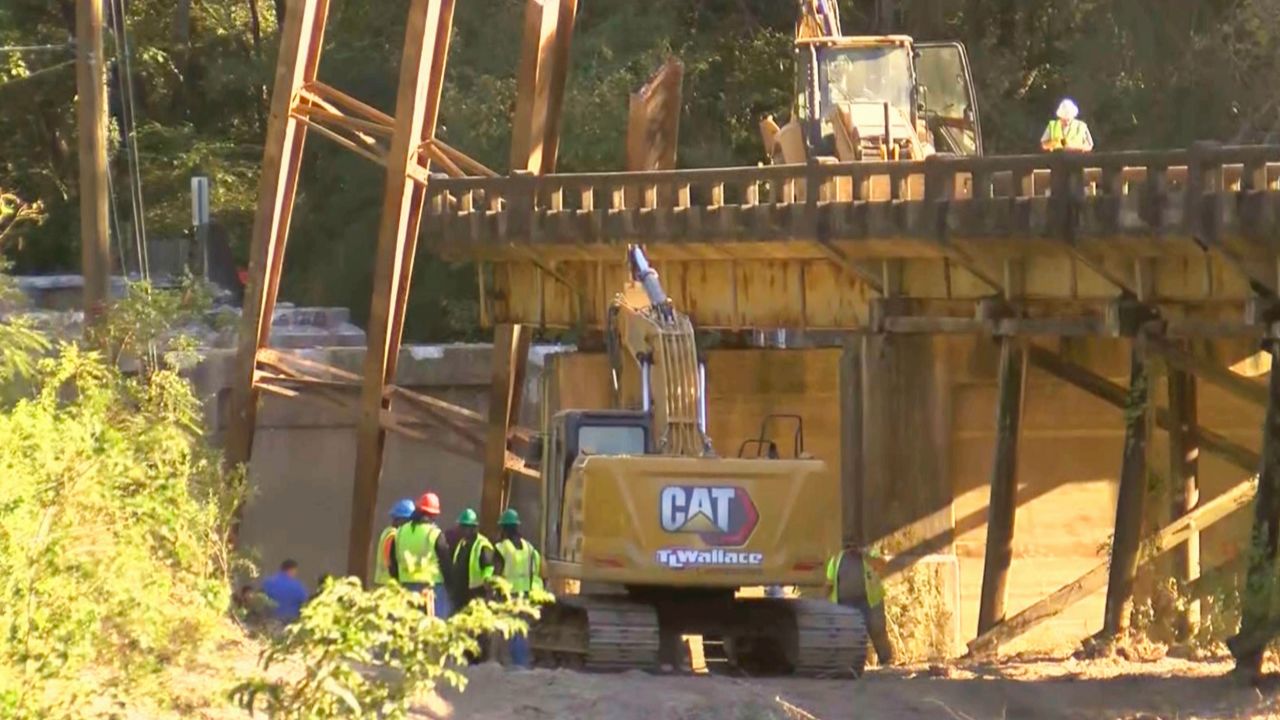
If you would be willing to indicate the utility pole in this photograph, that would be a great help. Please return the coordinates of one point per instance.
(91, 112)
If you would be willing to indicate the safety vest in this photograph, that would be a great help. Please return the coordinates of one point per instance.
(416, 546)
(870, 580)
(382, 560)
(476, 576)
(1075, 134)
(522, 567)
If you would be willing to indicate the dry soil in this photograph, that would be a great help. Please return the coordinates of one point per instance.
(1069, 688)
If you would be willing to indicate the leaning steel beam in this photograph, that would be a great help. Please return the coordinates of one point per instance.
(300, 44)
(506, 394)
(1161, 542)
(540, 84)
(417, 100)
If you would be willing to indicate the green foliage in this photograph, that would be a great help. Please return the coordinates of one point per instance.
(146, 318)
(369, 654)
(114, 515)
(918, 612)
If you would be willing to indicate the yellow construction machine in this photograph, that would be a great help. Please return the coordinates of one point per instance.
(883, 97)
(648, 534)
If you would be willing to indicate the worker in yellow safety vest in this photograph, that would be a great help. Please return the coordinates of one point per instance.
(1067, 133)
(384, 561)
(854, 580)
(422, 554)
(472, 560)
(520, 563)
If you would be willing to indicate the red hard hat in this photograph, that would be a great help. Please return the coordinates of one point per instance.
(429, 503)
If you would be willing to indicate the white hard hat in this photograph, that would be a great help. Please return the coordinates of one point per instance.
(1067, 110)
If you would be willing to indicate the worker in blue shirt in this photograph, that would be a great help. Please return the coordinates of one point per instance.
(286, 591)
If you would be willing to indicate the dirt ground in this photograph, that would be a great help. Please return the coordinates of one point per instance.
(1068, 689)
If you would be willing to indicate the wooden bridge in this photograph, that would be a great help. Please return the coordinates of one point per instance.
(1049, 244)
(1155, 246)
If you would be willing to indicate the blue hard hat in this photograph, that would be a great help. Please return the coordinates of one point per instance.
(402, 510)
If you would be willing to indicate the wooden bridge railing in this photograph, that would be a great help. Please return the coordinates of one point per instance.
(1205, 191)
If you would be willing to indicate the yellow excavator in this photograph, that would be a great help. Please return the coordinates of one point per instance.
(884, 97)
(649, 535)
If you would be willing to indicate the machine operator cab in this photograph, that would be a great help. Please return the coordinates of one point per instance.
(880, 98)
(575, 433)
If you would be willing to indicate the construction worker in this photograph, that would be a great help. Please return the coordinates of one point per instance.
(422, 554)
(521, 564)
(472, 560)
(1066, 133)
(384, 563)
(854, 580)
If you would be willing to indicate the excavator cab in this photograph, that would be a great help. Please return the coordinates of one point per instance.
(574, 433)
(947, 102)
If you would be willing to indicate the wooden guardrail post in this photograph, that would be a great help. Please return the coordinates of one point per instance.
(1204, 200)
(521, 203)
(1066, 190)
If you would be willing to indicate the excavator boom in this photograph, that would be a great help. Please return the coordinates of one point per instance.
(646, 327)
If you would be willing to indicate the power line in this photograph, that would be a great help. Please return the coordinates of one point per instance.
(34, 48)
(128, 131)
(36, 74)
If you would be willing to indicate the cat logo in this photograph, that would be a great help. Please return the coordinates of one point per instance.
(720, 516)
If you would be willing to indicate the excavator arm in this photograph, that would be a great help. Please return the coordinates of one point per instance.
(645, 326)
(818, 18)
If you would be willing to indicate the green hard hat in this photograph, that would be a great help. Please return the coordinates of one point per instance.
(509, 517)
(468, 517)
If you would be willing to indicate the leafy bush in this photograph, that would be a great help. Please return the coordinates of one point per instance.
(114, 516)
(368, 654)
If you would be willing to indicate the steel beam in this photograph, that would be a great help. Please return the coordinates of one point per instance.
(506, 393)
(540, 84)
(300, 45)
(417, 101)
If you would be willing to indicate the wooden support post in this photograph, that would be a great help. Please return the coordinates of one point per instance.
(1125, 543)
(91, 114)
(1003, 504)
(852, 470)
(510, 360)
(1256, 623)
(426, 37)
(1184, 482)
(300, 43)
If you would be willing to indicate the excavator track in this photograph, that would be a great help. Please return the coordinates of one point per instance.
(810, 638)
(597, 634)
(831, 639)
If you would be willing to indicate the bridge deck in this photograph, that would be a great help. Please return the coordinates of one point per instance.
(1061, 238)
